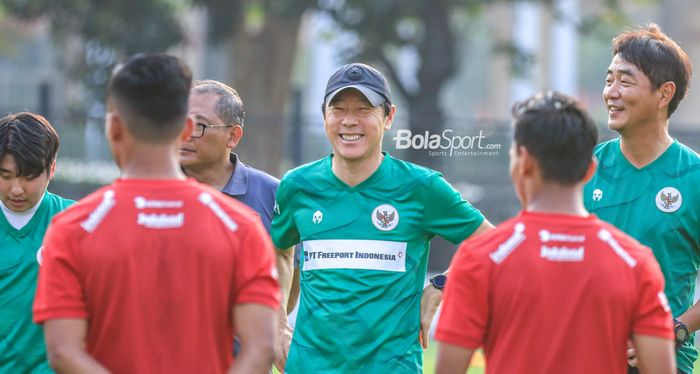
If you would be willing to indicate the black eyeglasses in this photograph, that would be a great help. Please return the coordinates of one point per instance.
(199, 129)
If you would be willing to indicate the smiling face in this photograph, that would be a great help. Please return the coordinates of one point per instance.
(21, 193)
(631, 100)
(354, 127)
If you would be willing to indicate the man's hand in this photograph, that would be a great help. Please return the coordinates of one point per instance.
(284, 339)
(428, 306)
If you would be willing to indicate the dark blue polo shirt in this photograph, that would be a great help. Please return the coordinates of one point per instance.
(253, 188)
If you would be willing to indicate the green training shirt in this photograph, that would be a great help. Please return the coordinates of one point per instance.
(659, 205)
(22, 347)
(365, 253)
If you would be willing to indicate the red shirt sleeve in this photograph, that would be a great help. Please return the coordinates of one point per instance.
(652, 314)
(465, 308)
(256, 279)
(59, 291)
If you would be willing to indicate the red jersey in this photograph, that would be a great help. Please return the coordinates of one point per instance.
(156, 266)
(553, 293)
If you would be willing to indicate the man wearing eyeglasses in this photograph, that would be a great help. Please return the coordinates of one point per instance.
(208, 155)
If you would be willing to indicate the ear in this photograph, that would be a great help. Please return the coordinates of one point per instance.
(591, 170)
(187, 130)
(234, 136)
(52, 169)
(390, 118)
(666, 90)
(526, 163)
(115, 127)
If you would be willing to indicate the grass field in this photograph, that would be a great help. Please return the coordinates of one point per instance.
(477, 366)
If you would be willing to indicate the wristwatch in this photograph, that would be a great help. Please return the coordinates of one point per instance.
(681, 332)
(440, 280)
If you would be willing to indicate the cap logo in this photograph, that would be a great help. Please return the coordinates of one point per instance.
(354, 73)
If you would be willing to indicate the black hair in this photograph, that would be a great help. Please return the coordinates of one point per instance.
(31, 140)
(558, 132)
(152, 91)
(658, 57)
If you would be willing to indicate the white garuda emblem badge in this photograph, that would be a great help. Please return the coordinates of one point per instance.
(385, 217)
(669, 200)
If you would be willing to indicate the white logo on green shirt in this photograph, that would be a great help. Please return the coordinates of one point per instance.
(669, 200)
(318, 217)
(597, 194)
(385, 217)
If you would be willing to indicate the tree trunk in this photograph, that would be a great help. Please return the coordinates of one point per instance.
(437, 54)
(261, 69)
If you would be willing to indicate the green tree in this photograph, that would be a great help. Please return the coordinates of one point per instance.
(261, 36)
(96, 33)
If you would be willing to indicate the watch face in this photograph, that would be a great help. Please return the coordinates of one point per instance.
(681, 332)
(439, 281)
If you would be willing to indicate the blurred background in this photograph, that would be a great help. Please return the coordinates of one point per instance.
(455, 68)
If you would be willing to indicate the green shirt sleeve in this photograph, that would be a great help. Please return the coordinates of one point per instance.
(447, 214)
(283, 229)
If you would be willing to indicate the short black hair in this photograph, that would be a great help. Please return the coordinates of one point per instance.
(558, 132)
(31, 140)
(152, 91)
(658, 57)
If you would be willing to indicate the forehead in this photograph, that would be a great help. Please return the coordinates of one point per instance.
(7, 162)
(620, 65)
(203, 102)
(203, 107)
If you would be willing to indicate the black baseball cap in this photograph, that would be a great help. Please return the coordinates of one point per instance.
(361, 77)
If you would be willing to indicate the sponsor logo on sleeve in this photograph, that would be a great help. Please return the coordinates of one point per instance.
(97, 215)
(607, 237)
(506, 248)
(597, 194)
(208, 200)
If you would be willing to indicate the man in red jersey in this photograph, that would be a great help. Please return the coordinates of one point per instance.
(555, 289)
(154, 273)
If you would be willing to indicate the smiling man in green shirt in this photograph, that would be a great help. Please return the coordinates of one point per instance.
(647, 182)
(365, 221)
